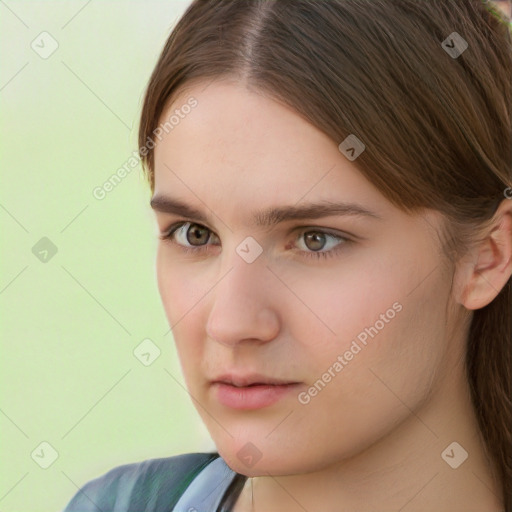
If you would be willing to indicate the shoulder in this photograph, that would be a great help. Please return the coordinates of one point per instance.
(153, 485)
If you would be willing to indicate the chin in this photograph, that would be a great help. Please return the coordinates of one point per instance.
(246, 458)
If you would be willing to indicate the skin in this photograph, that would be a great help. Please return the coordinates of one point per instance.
(372, 439)
(505, 6)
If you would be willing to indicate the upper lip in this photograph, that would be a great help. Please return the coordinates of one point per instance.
(248, 379)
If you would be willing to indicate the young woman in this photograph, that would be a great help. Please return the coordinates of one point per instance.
(332, 181)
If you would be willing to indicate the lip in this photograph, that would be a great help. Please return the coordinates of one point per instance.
(251, 391)
(251, 397)
(250, 379)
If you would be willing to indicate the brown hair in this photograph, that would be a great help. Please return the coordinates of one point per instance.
(436, 126)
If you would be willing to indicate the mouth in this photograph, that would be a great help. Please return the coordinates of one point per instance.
(252, 391)
(249, 380)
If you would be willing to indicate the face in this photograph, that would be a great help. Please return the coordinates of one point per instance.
(346, 307)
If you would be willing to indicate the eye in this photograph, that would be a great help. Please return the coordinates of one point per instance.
(315, 241)
(189, 236)
(193, 238)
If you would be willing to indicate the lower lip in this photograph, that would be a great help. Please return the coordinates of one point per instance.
(251, 397)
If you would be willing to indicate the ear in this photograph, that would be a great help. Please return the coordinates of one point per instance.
(489, 265)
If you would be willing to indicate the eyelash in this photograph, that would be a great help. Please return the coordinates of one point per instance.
(168, 237)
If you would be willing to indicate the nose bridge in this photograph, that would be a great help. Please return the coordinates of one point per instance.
(242, 305)
(246, 272)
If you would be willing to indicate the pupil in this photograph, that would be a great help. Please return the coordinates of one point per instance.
(196, 236)
(318, 240)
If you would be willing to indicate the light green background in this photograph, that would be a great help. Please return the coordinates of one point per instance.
(69, 325)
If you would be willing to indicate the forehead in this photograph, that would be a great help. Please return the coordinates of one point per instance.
(232, 122)
(241, 146)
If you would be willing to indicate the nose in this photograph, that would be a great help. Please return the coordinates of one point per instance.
(244, 305)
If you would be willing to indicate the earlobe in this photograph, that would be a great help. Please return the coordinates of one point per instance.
(492, 261)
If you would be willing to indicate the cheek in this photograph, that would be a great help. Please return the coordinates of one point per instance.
(179, 291)
(362, 300)
(181, 294)
(389, 344)
(374, 315)
(363, 297)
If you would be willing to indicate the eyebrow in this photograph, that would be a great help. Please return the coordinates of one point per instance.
(270, 216)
